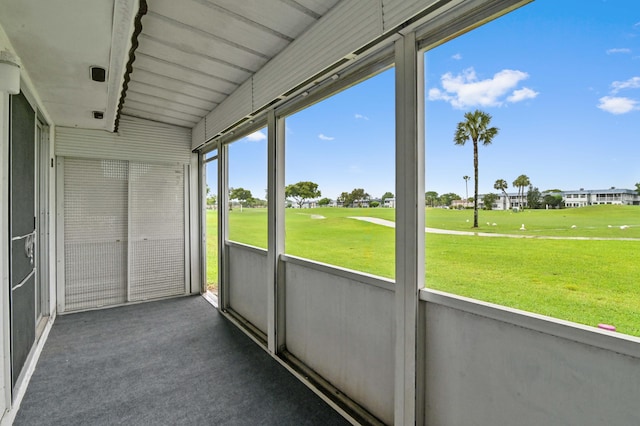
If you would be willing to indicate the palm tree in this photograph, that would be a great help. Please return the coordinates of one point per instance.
(476, 128)
(466, 187)
(521, 183)
(501, 185)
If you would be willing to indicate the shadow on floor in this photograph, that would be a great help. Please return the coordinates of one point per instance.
(163, 363)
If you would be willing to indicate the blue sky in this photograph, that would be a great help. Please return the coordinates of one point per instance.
(560, 78)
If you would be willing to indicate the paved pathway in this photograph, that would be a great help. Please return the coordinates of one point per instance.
(392, 224)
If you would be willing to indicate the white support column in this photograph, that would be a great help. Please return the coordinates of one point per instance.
(195, 200)
(223, 226)
(409, 222)
(202, 197)
(60, 259)
(276, 200)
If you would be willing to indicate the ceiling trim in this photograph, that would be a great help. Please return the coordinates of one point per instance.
(193, 29)
(137, 29)
(244, 19)
(188, 83)
(302, 9)
(165, 89)
(191, 51)
(161, 98)
(188, 69)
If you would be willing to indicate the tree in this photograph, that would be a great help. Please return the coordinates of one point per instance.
(501, 185)
(431, 198)
(553, 201)
(302, 191)
(488, 201)
(374, 204)
(358, 195)
(476, 128)
(466, 187)
(345, 199)
(211, 200)
(447, 198)
(324, 201)
(240, 194)
(638, 188)
(386, 195)
(533, 197)
(521, 183)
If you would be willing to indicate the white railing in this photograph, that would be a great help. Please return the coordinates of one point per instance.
(478, 363)
(489, 365)
(340, 323)
(247, 283)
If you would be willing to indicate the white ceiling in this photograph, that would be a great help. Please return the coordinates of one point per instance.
(57, 42)
(191, 55)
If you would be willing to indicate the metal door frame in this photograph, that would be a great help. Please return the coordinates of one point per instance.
(203, 211)
(42, 224)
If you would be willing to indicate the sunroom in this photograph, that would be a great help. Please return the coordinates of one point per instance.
(119, 121)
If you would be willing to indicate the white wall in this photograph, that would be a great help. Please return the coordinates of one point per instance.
(33, 96)
(248, 283)
(489, 365)
(5, 361)
(341, 324)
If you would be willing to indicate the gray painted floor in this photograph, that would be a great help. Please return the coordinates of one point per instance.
(163, 363)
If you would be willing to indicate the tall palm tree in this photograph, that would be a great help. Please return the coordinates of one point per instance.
(475, 127)
(521, 183)
(466, 188)
(501, 185)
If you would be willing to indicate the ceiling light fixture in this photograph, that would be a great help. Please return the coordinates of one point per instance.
(9, 73)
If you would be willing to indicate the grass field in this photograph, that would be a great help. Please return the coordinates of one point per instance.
(585, 281)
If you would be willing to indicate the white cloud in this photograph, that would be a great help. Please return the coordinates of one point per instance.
(618, 105)
(522, 94)
(465, 89)
(457, 57)
(618, 50)
(632, 83)
(256, 136)
(362, 117)
(325, 138)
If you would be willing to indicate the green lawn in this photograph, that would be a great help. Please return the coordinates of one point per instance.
(582, 281)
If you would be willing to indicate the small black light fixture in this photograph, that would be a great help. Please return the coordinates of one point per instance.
(98, 74)
(98, 115)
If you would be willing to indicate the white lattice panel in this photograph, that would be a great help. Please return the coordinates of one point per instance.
(95, 233)
(156, 230)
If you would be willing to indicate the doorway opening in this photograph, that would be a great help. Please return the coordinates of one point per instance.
(210, 167)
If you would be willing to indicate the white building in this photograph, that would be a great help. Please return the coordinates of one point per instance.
(590, 197)
(577, 198)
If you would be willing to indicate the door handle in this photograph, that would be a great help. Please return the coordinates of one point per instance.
(29, 243)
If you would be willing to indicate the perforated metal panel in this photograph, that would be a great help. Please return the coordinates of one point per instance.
(95, 232)
(124, 232)
(156, 231)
